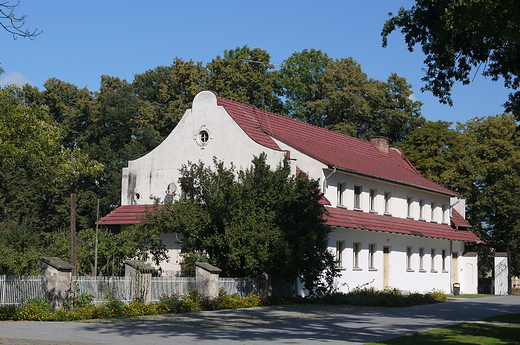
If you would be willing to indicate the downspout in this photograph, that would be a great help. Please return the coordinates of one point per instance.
(451, 266)
(325, 180)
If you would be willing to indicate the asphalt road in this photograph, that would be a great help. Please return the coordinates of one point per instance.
(318, 328)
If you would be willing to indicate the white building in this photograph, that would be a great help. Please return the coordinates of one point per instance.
(393, 228)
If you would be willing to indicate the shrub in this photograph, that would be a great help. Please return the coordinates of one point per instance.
(34, 309)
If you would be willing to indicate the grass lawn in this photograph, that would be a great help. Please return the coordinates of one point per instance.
(493, 331)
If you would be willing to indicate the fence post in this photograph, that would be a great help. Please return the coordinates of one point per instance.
(141, 274)
(56, 279)
(207, 279)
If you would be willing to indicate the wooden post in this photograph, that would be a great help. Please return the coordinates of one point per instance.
(73, 232)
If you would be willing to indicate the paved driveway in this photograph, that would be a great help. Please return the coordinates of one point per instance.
(261, 325)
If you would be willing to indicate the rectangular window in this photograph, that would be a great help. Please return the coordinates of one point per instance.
(433, 259)
(341, 192)
(357, 197)
(373, 193)
(444, 259)
(421, 209)
(421, 259)
(408, 258)
(444, 213)
(433, 205)
(409, 203)
(357, 250)
(371, 255)
(340, 247)
(388, 196)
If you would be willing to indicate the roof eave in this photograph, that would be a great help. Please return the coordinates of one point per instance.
(376, 177)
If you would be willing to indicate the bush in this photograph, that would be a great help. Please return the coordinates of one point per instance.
(383, 298)
(34, 309)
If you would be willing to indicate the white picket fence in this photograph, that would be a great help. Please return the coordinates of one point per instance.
(18, 289)
(104, 288)
(167, 286)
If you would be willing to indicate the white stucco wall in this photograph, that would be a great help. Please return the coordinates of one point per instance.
(147, 178)
(398, 202)
(399, 276)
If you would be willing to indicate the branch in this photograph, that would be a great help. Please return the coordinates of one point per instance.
(13, 24)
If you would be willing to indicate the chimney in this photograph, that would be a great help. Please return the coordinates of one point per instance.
(381, 143)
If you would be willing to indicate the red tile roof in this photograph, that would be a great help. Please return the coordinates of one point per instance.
(331, 148)
(375, 222)
(126, 215)
(458, 221)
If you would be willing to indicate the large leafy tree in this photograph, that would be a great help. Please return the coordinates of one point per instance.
(459, 36)
(355, 105)
(434, 150)
(167, 92)
(297, 81)
(481, 160)
(489, 176)
(242, 75)
(251, 222)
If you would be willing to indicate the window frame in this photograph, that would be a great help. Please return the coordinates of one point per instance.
(388, 197)
(356, 252)
(409, 256)
(341, 188)
(372, 249)
(372, 200)
(340, 251)
(358, 190)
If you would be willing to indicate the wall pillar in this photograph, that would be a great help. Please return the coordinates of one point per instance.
(56, 280)
(207, 279)
(141, 274)
(501, 274)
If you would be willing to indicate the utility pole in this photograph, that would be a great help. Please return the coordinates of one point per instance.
(73, 229)
(96, 241)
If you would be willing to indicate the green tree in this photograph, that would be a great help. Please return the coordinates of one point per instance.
(242, 75)
(434, 150)
(355, 105)
(489, 176)
(298, 80)
(252, 222)
(167, 92)
(460, 36)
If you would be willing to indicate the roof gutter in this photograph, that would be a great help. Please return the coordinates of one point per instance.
(391, 180)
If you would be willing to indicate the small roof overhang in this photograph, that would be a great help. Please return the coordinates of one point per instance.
(341, 217)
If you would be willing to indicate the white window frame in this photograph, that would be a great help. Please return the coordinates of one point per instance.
(358, 190)
(433, 207)
(356, 251)
(341, 187)
(388, 197)
(340, 250)
(372, 249)
(421, 209)
(409, 207)
(372, 206)
(421, 259)
(409, 257)
(433, 254)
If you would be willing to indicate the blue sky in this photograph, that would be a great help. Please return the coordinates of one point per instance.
(83, 40)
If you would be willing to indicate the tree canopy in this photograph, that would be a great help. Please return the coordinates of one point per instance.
(251, 222)
(479, 159)
(461, 38)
